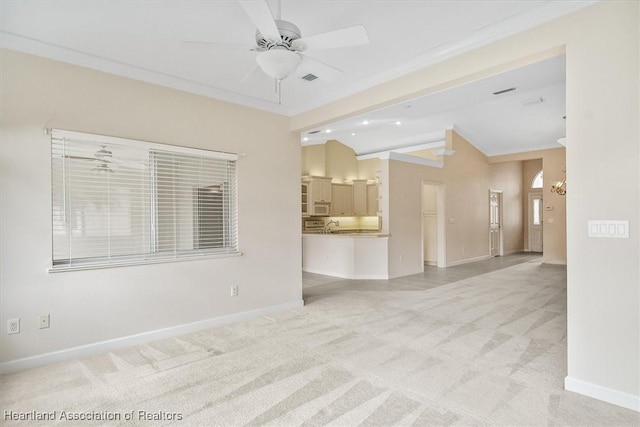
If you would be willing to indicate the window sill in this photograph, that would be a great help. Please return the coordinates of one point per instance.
(90, 266)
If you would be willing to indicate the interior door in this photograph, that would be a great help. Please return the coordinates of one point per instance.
(535, 222)
(494, 222)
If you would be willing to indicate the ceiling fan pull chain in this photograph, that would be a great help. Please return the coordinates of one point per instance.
(279, 90)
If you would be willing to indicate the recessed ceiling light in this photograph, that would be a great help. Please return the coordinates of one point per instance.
(305, 139)
(328, 131)
(398, 123)
(353, 134)
(365, 122)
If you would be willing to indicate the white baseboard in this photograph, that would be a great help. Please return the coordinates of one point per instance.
(370, 277)
(468, 260)
(515, 251)
(346, 276)
(145, 337)
(616, 397)
(555, 262)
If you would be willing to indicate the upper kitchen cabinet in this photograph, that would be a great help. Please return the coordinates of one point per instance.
(320, 189)
(341, 200)
(360, 197)
(316, 196)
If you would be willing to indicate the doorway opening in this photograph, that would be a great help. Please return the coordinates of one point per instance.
(495, 223)
(433, 225)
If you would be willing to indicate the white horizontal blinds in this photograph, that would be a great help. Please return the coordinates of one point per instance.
(118, 201)
(196, 203)
(101, 201)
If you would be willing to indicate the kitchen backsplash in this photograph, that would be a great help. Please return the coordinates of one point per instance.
(352, 222)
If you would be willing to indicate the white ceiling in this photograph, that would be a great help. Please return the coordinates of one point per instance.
(495, 124)
(143, 40)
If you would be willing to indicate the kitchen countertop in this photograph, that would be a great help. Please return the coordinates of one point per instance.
(345, 233)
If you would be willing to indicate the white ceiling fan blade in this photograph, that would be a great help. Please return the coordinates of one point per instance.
(320, 69)
(351, 36)
(91, 159)
(251, 73)
(260, 14)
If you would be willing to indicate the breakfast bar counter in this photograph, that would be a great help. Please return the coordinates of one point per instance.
(350, 255)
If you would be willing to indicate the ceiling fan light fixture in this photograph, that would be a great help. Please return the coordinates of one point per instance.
(102, 167)
(278, 63)
(104, 154)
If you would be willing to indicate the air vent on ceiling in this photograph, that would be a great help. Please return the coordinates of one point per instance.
(500, 92)
(532, 101)
(309, 77)
(313, 132)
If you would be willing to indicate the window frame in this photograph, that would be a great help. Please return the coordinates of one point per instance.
(151, 255)
(540, 174)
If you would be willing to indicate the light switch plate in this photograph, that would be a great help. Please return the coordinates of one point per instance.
(613, 229)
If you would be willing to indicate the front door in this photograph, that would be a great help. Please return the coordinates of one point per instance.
(494, 222)
(535, 222)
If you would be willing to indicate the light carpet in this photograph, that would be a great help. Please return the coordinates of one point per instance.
(441, 348)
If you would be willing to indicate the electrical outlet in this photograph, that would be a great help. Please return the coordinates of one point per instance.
(44, 321)
(13, 326)
(234, 291)
(337, 223)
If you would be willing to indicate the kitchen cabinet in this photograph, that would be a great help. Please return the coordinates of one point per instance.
(360, 197)
(372, 200)
(316, 195)
(341, 200)
(320, 189)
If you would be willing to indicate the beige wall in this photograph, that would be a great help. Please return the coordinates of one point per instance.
(467, 195)
(338, 161)
(465, 176)
(602, 46)
(369, 168)
(313, 160)
(341, 162)
(507, 177)
(96, 305)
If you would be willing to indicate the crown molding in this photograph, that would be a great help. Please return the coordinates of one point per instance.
(406, 158)
(384, 154)
(58, 53)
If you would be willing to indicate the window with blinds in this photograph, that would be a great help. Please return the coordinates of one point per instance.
(118, 201)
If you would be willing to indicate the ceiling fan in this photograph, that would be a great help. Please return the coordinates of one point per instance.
(281, 47)
(104, 160)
